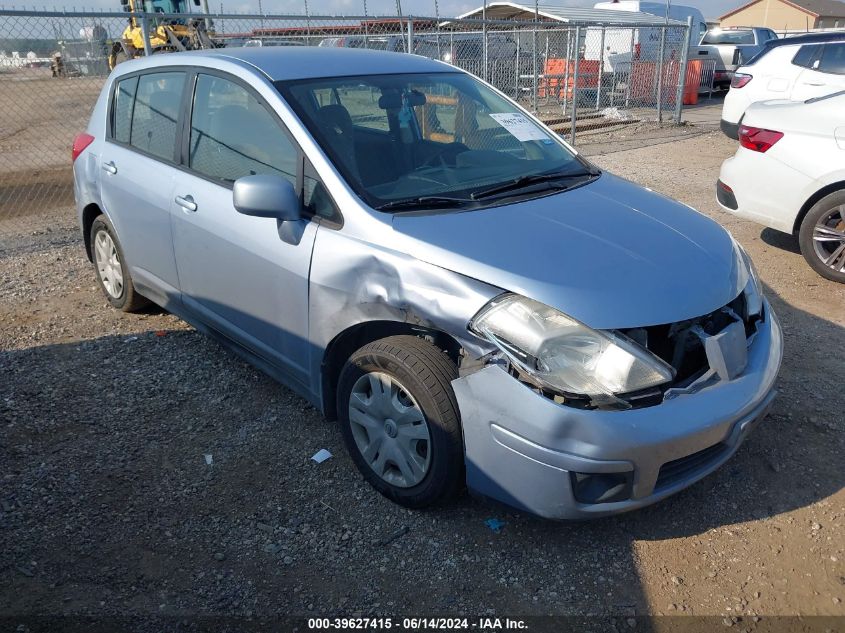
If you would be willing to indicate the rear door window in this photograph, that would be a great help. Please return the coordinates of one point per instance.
(833, 59)
(158, 99)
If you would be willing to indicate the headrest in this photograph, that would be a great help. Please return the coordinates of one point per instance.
(393, 100)
(335, 116)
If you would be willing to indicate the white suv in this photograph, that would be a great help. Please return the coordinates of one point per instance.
(795, 68)
(789, 175)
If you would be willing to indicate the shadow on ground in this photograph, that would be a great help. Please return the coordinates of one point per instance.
(161, 475)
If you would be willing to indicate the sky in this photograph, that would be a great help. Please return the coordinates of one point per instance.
(710, 8)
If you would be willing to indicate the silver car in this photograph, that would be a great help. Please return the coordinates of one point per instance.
(475, 303)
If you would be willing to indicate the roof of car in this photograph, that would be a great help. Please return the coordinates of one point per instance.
(306, 62)
(809, 38)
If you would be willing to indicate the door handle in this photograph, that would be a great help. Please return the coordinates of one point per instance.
(810, 83)
(186, 202)
(110, 167)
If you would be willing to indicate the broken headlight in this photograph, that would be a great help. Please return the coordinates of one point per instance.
(753, 290)
(566, 356)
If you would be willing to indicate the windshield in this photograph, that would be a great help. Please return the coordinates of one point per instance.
(439, 135)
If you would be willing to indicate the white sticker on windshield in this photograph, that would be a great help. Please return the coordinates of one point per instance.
(521, 127)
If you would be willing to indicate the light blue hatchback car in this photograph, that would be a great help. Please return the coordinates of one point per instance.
(428, 264)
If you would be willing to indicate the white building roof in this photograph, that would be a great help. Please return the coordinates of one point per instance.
(559, 13)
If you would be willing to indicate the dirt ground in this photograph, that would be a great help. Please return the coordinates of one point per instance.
(109, 507)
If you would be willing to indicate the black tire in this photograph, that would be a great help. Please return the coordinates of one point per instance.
(426, 374)
(831, 205)
(128, 299)
(117, 56)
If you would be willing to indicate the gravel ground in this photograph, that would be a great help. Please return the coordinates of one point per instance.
(108, 505)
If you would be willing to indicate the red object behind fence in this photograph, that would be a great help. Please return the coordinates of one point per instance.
(555, 82)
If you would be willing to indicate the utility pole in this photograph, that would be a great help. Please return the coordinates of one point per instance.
(535, 69)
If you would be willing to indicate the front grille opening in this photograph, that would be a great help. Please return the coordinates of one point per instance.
(680, 469)
(680, 347)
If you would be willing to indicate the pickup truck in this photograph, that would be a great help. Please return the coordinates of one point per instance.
(731, 47)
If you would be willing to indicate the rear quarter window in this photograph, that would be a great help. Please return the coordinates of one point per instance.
(124, 101)
(833, 59)
(806, 55)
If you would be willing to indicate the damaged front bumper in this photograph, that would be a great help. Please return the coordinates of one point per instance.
(560, 462)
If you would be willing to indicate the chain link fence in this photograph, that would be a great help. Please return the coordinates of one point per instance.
(575, 76)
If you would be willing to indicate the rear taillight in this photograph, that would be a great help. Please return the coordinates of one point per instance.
(80, 142)
(757, 139)
(740, 79)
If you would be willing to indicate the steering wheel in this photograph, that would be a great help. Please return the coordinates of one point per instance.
(446, 155)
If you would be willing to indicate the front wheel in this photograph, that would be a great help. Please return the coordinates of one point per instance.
(400, 421)
(822, 237)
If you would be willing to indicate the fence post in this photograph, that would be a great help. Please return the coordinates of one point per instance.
(660, 70)
(575, 83)
(145, 34)
(682, 74)
(634, 32)
(410, 34)
(566, 73)
(366, 27)
(534, 56)
(484, 42)
(437, 17)
(601, 68)
(516, 85)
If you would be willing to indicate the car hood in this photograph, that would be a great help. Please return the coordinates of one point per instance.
(610, 254)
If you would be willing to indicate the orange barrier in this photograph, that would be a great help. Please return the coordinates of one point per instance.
(644, 75)
(556, 83)
(694, 68)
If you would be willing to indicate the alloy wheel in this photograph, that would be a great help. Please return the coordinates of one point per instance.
(829, 239)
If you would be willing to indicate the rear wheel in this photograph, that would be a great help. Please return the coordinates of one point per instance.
(822, 237)
(110, 265)
(400, 421)
(117, 56)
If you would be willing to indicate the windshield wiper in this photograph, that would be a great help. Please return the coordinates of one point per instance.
(423, 202)
(524, 181)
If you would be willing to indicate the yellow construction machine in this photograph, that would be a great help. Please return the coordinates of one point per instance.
(168, 33)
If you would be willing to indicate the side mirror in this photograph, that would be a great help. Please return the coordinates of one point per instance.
(266, 196)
